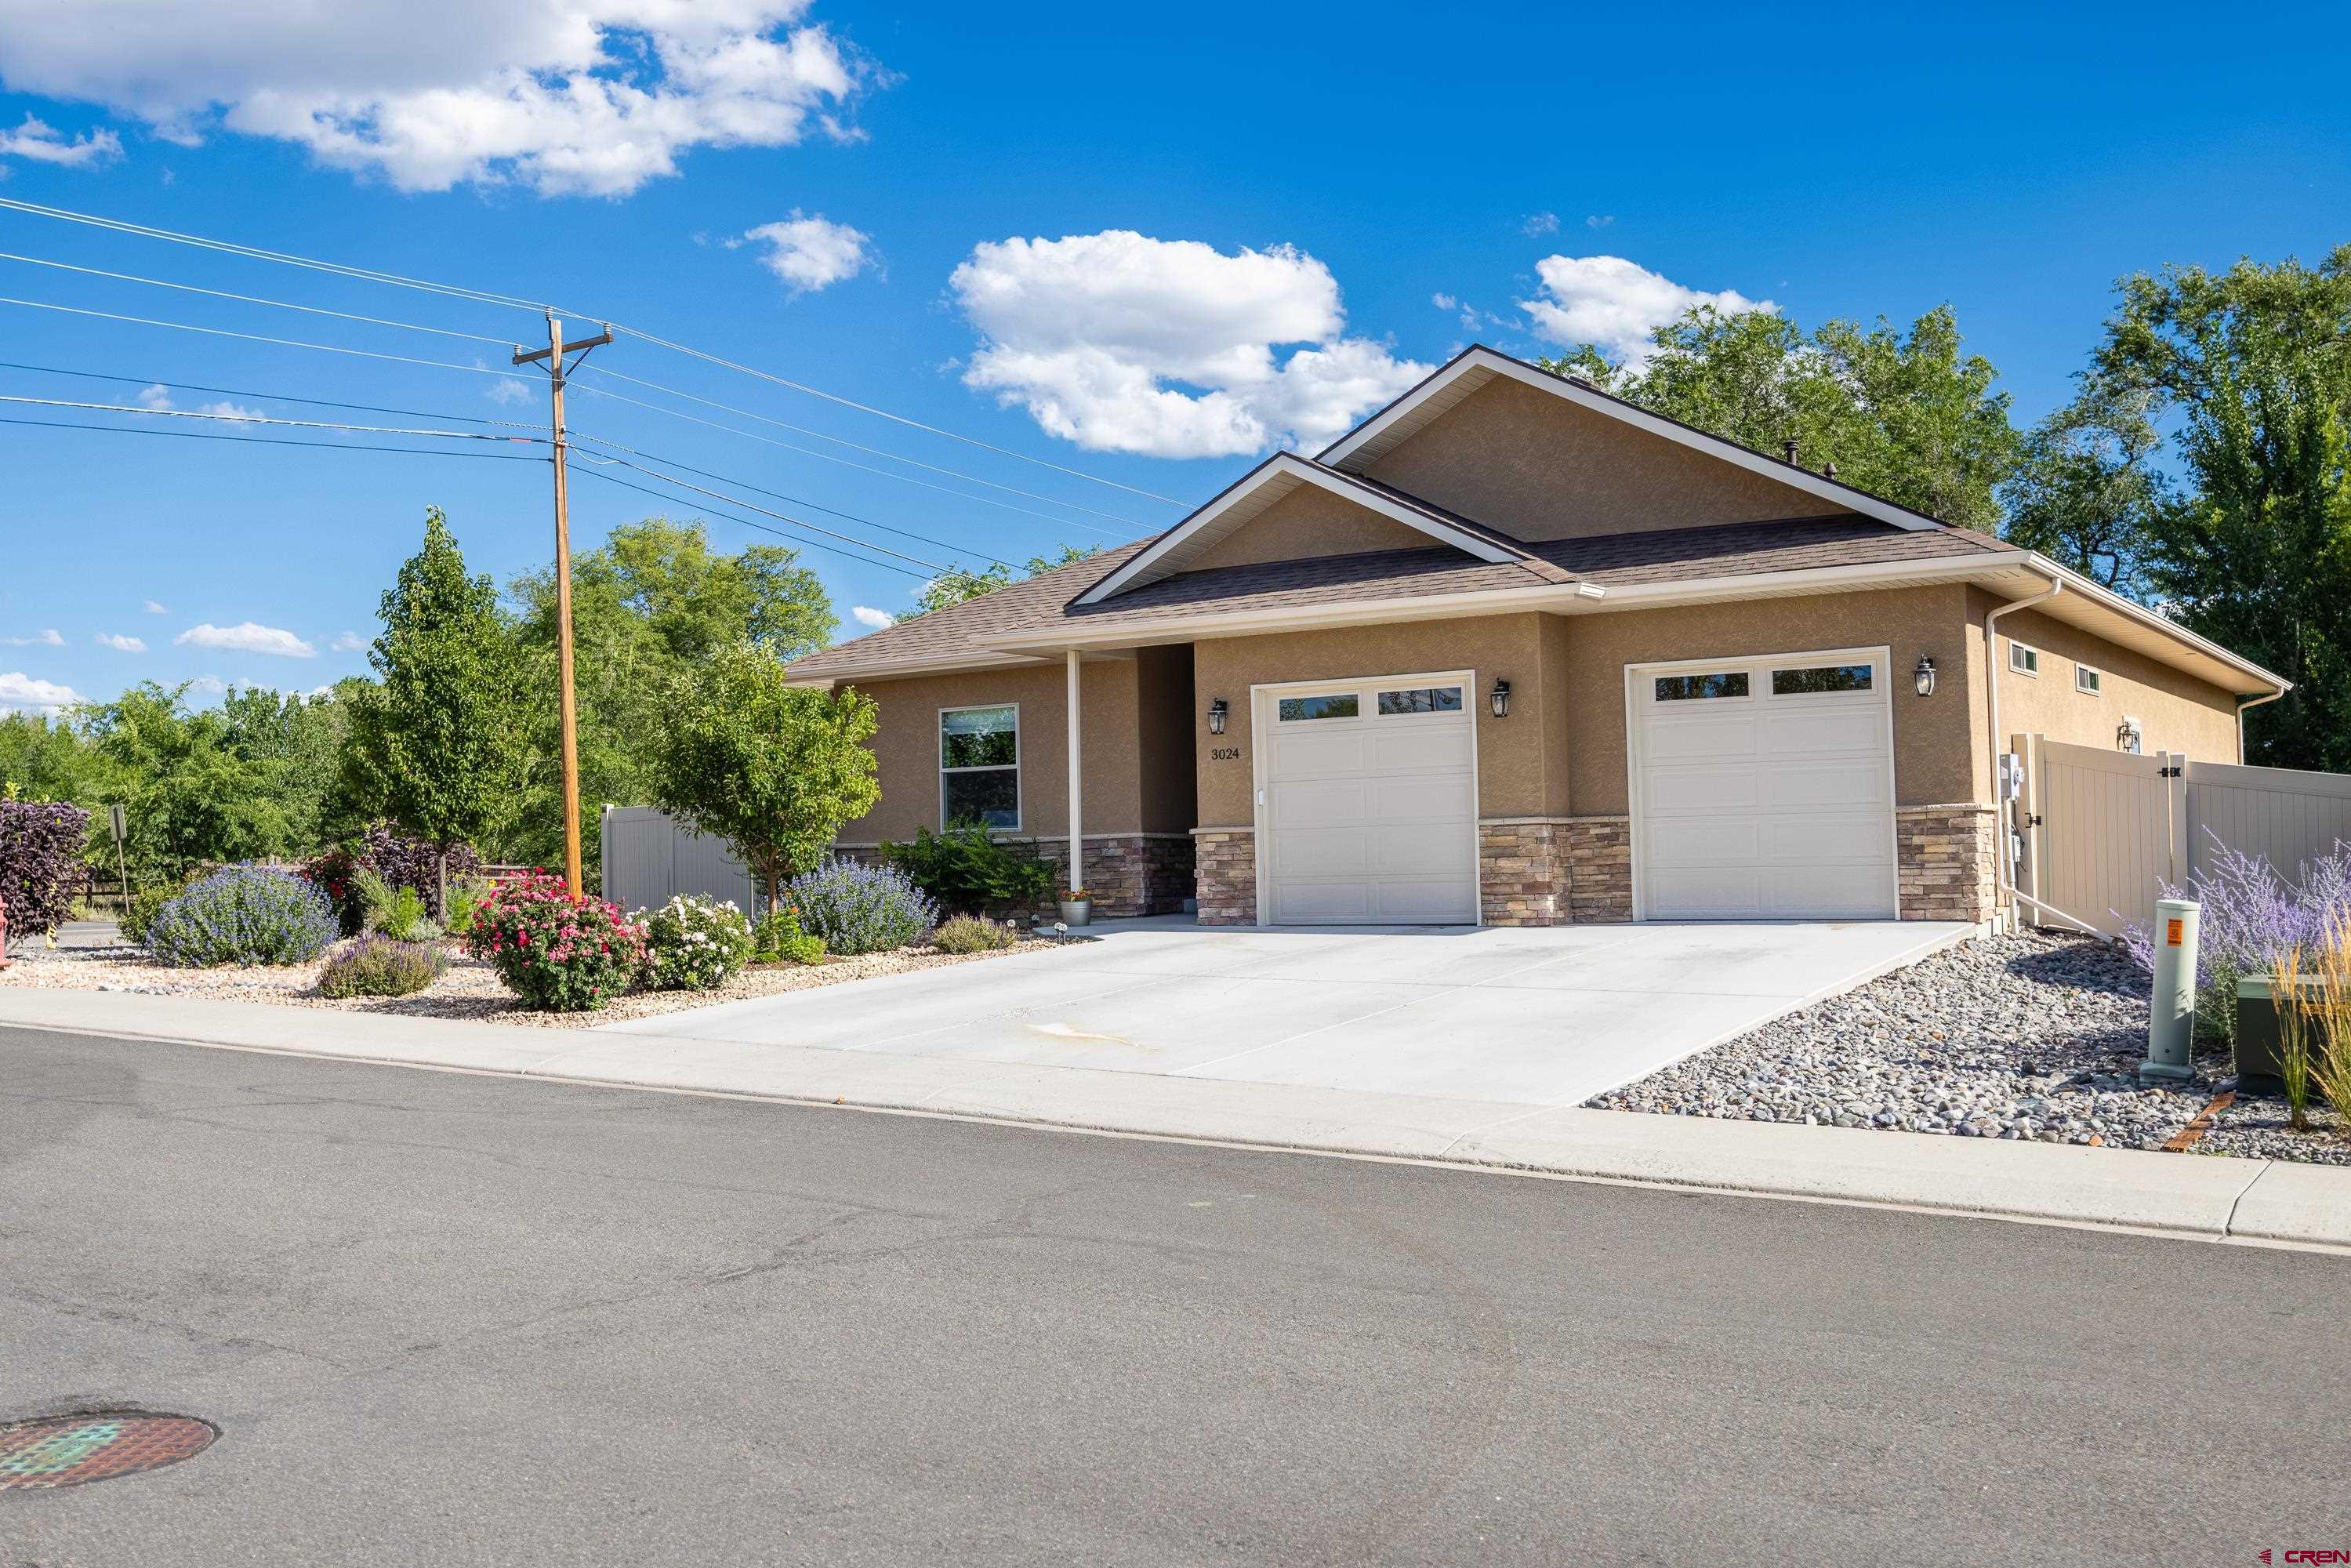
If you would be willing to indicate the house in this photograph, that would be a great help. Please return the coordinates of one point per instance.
(1516, 652)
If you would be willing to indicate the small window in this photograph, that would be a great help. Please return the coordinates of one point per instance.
(1689, 688)
(979, 765)
(1818, 679)
(1421, 699)
(2024, 661)
(1341, 705)
(2086, 680)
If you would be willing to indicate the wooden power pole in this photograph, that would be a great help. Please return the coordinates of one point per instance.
(551, 357)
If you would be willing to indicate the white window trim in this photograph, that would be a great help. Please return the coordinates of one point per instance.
(2095, 685)
(2016, 666)
(939, 743)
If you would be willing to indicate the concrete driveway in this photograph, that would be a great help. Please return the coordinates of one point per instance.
(1537, 1016)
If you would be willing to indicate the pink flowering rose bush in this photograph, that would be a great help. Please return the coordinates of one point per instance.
(555, 954)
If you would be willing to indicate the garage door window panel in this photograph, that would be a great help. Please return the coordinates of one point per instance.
(1420, 699)
(1821, 680)
(1338, 705)
(1701, 688)
(979, 765)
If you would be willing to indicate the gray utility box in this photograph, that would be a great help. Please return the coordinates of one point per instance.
(2259, 1069)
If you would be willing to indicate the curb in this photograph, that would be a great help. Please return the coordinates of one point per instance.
(2247, 1201)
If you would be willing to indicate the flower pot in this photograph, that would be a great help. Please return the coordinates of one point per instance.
(1077, 912)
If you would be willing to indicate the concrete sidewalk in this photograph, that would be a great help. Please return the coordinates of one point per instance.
(2212, 1198)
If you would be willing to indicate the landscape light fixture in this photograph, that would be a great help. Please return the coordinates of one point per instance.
(1501, 697)
(1216, 712)
(1926, 674)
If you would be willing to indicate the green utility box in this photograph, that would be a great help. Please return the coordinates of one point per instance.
(2259, 1069)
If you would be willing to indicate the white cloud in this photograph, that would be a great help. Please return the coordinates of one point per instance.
(155, 609)
(866, 615)
(566, 97)
(225, 409)
(811, 251)
(248, 637)
(509, 391)
(1124, 343)
(21, 692)
(1615, 304)
(211, 685)
(1599, 220)
(1535, 225)
(156, 396)
(348, 642)
(119, 643)
(47, 637)
(1443, 301)
(44, 144)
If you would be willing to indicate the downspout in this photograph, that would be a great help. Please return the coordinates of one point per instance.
(2005, 869)
(2243, 707)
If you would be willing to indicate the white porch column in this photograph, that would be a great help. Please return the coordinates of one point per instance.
(1077, 785)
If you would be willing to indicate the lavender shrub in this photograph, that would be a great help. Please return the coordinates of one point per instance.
(2250, 914)
(246, 915)
(859, 908)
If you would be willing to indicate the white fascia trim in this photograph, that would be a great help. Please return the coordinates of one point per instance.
(1290, 463)
(2108, 600)
(1486, 359)
(1303, 617)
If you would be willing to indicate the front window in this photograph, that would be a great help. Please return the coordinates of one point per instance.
(2024, 661)
(979, 765)
(1693, 688)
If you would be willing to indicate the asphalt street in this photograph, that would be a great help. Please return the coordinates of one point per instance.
(452, 1319)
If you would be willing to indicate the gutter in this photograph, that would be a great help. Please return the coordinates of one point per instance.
(2004, 864)
(2246, 704)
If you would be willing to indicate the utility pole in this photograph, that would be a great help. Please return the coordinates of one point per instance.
(551, 357)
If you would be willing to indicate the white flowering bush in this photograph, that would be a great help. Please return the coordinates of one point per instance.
(694, 944)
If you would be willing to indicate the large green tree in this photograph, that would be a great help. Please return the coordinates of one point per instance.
(959, 587)
(190, 793)
(2086, 492)
(773, 768)
(2251, 367)
(433, 745)
(648, 606)
(1907, 416)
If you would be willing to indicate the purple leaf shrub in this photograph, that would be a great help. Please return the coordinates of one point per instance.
(41, 870)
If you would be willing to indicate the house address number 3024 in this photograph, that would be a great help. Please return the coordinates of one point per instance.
(1224, 753)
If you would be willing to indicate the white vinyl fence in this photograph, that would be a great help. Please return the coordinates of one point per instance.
(649, 858)
(2102, 829)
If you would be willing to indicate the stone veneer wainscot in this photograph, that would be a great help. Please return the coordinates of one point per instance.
(1227, 876)
(1944, 861)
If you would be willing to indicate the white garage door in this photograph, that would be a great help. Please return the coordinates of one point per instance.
(1763, 788)
(1370, 808)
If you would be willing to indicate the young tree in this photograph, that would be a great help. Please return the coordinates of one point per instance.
(1908, 418)
(2250, 364)
(434, 747)
(191, 796)
(775, 769)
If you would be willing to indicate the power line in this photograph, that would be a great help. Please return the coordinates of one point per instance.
(274, 397)
(256, 254)
(786, 517)
(276, 440)
(257, 338)
(371, 275)
(807, 544)
(251, 298)
(779, 495)
(843, 441)
(268, 418)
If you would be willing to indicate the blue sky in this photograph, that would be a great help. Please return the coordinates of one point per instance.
(1147, 245)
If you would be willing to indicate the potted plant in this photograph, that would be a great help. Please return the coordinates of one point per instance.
(1077, 906)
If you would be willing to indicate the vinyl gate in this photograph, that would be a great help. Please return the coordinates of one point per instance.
(2102, 829)
(649, 858)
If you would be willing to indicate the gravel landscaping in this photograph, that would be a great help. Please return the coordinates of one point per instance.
(2008, 1037)
(470, 989)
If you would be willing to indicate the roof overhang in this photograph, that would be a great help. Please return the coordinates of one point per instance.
(1477, 366)
(1250, 496)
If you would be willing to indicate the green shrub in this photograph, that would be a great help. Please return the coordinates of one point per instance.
(969, 934)
(247, 915)
(779, 939)
(398, 912)
(145, 905)
(467, 895)
(555, 952)
(970, 871)
(694, 944)
(379, 966)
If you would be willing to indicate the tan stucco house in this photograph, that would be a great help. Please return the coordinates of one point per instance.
(1517, 651)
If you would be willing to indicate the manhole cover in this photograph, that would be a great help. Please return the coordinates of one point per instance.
(68, 1450)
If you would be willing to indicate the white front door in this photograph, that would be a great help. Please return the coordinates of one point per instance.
(1368, 802)
(1763, 789)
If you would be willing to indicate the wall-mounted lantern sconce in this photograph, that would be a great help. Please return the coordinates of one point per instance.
(1926, 673)
(1501, 698)
(2129, 736)
(1216, 712)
